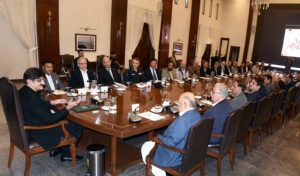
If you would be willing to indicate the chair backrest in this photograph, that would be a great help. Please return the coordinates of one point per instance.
(99, 62)
(247, 112)
(293, 91)
(196, 145)
(278, 102)
(67, 63)
(230, 129)
(270, 104)
(258, 119)
(13, 113)
(297, 95)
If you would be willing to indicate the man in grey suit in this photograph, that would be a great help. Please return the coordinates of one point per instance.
(239, 97)
(52, 81)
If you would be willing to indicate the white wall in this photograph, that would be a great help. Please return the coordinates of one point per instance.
(180, 27)
(14, 55)
(74, 14)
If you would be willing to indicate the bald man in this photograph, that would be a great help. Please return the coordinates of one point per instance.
(108, 75)
(174, 136)
(81, 77)
(182, 71)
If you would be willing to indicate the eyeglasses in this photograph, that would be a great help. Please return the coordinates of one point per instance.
(82, 63)
(215, 92)
(40, 80)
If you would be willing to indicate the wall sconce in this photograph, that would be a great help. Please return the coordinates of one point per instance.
(186, 3)
(176, 1)
(86, 28)
(119, 33)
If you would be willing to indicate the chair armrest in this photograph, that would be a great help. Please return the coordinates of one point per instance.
(61, 123)
(217, 135)
(156, 140)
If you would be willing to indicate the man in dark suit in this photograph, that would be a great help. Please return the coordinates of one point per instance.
(204, 70)
(81, 77)
(174, 136)
(242, 68)
(215, 69)
(52, 81)
(239, 98)
(269, 84)
(80, 54)
(135, 73)
(220, 110)
(38, 112)
(287, 83)
(108, 75)
(223, 70)
(152, 73)
(258, 89)
(114, 61)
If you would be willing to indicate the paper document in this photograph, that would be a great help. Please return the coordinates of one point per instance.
(151, 116)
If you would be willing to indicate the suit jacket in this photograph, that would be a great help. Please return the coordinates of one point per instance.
(203, 72)
(194, 71)
(175, 136)
(216, 71)
(180, 73)
(37, 113)
(133, 76)
(148, 74)
(225, 70)
(105, 78)
(235, 70)
(75, 66)
(258, 95)
(220, 112)
(270, 88)
(56, 81)
(285, 86)
(166, 74)
(76, 80)
(238, 101)
(242, 70)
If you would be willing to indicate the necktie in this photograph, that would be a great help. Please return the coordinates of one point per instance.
(111, 75)
(154, 75)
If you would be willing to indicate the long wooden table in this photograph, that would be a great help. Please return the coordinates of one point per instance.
(120, 155)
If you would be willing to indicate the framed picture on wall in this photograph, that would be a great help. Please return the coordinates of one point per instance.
(177, 48)
(85, 42)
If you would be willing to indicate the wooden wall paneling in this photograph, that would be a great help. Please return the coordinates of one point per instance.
(164, 42)
(193, 30)
(48, 32)
(249, 26)
(118, 28)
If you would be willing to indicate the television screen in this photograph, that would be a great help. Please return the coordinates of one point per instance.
(291, 43)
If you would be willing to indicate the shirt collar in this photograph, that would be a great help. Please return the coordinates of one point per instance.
(181, 113)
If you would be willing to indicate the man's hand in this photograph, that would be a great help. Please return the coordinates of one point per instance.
(59, 101)
(71, 104)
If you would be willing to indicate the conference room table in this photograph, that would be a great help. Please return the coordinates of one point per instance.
(102, 127)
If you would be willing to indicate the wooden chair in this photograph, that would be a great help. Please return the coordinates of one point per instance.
(228, 137)
(247, 111)
(286, 106)
(17, 129)
(295, 102)
(268, 111)
(193, 153)
(66, 63)
(257, 120)
(276, 109)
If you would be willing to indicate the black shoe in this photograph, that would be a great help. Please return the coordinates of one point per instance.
(64, 158)
(55, 152)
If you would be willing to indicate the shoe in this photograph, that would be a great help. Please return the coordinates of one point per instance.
(64, 158)
(54, 152)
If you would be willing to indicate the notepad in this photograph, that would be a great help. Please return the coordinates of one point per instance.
(84, 108)
(151, 116)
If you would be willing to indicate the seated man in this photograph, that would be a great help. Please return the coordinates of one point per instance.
(215, 70)
(182, 72)
(286, 83)
(108, 75)
(81, 77)
(152, 73)
(269, 84)
(297, 83)
(38, 112)
(242, 68)
(240, 98)
(174, 136)
(204, 70)
(258, 89)
(194, 69)
(169, 72)
(223, 69)
(114, 61)
(220, 111)
(134, 74)
(256, 68)
(80, 54)
(235, 68)
(229, 67)
(52, 81)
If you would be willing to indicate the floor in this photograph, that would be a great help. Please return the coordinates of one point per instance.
(277, 155)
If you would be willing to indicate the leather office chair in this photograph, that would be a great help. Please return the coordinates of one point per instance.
(257, 120)
(66, 63)
(228, 137)
(247, 111)
(193, 153)
(276, 108)
(17, 129)
(268, 111)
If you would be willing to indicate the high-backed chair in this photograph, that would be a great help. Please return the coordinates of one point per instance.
(247, 111)
(295, 102)
(289, 104)
(193, 153)
(276, 109)
(257, 120)
(284, 112)
(268, 111)
(227, 142)
(17, 129)
(66, 63)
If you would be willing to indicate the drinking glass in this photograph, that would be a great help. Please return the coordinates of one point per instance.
(113, 105)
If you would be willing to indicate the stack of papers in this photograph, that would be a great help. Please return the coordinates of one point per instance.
(207, 102)
(119, 85)
(151, 116)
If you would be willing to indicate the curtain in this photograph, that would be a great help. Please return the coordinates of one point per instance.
(20, 16)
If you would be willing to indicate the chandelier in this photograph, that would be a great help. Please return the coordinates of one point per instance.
(260, 5)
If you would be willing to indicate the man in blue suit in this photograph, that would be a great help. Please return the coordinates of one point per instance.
(220, 111)
(174, 136)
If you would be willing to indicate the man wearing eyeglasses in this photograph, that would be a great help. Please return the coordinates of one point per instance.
(38, 112)
(220, 110)
(81, 77)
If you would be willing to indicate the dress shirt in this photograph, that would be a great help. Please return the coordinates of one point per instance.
(181, 113)
(154, 74)
(50, 81)
(85, 78)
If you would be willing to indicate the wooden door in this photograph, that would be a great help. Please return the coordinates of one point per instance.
(234, 53)
(144, 51)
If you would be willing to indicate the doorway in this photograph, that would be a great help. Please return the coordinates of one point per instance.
(234, 53)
